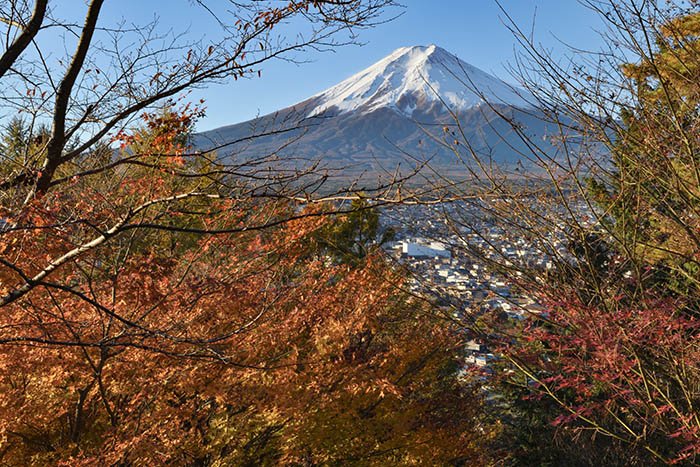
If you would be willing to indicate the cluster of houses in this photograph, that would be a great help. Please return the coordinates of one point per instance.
(443, 262)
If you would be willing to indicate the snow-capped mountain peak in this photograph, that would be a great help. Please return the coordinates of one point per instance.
(393, 109)
(417, 76)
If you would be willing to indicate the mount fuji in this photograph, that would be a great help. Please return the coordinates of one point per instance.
(413, 78)
(398, 111)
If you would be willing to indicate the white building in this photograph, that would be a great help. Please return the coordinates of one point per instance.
(417, 249)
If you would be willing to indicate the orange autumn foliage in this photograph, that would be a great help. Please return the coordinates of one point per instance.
(247, 344)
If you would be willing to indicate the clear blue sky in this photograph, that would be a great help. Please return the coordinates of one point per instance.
(470, 29)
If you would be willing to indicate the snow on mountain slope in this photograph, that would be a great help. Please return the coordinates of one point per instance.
(413, 76)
